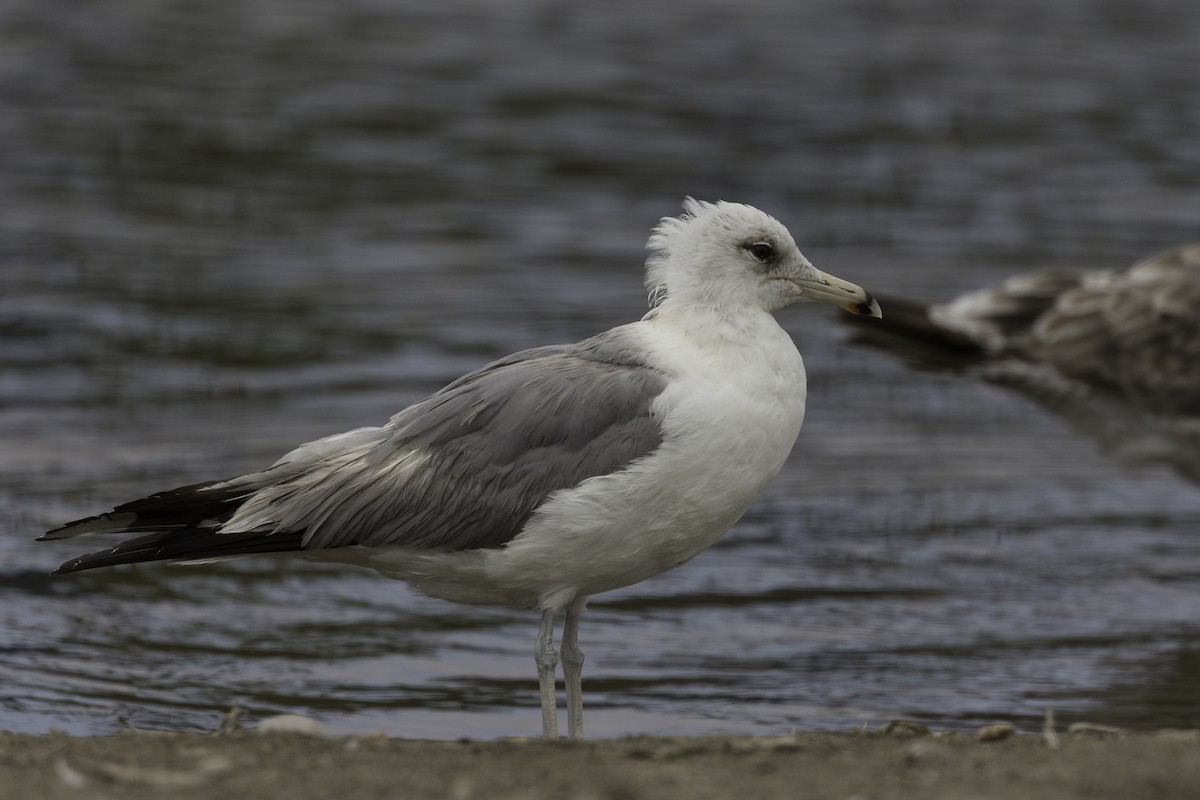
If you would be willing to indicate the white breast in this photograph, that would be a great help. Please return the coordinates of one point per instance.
(730, 416)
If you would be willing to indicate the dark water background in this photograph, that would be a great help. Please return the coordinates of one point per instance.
(229, 227)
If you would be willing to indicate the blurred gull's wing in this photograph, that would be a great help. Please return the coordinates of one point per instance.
(1135, 333)
(1115, 353)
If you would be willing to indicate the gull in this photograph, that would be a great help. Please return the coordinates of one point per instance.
(552, 474)
(1116, 353)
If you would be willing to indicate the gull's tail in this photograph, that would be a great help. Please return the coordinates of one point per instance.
(182, 524)
(908, 331)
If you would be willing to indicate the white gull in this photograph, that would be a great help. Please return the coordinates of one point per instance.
(552, 474)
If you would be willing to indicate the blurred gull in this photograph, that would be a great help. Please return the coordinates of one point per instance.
(552, 474)
(1115, 353)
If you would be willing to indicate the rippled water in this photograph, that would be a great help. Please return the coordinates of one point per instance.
(230, 227)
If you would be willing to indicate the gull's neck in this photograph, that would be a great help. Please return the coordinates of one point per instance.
(741, 335)
(724, 318)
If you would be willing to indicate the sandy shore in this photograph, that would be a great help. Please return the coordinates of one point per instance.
(817, 765)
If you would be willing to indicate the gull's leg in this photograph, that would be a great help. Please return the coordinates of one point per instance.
(547, 661)
(572, 661)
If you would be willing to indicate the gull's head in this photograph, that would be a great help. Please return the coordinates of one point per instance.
(734, 256)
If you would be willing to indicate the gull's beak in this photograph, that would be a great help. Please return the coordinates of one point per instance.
(844, 294)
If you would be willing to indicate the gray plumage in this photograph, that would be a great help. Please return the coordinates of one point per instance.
(498, 441)
(1117, 353)
(492, 446)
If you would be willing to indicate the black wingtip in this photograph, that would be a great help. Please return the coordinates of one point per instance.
(110, 522)
(909, 333)
(186, 545)
(101, 558)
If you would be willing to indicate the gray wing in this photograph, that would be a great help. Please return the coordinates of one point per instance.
(1136, 333)
(1115, 353)
(466, 467)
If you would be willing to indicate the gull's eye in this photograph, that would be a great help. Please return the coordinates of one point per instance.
(761, 251)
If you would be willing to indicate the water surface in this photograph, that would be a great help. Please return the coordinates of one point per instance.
(229, 228)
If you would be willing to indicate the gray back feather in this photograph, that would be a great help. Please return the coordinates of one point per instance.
(1135, 334)
(467, 466)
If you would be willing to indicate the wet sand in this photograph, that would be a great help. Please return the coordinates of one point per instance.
(860, 765)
